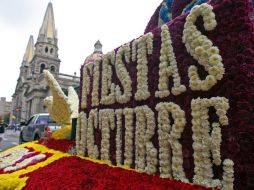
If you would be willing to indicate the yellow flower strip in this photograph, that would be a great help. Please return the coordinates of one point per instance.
(12, 181)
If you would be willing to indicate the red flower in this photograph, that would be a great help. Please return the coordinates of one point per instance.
(61, 145)
(76, 173)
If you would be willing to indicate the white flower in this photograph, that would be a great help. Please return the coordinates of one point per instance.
(123, 76)
(202, 49)
(85, 87)
(228, 175)
(204, 143)
(167, 139)
(106, 122)
(108, 88)
(144, 47)
(96, 75)
(128, 152)
(10, 158)
(92, 149)
(168, 67)
(25, 162)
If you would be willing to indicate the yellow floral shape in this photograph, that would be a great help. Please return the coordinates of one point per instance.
(58, 104)
(63, 133)
(10, 181)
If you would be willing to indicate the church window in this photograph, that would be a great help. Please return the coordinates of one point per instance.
(51, 51)
(52, 69)
(42, 68)
(46, 49)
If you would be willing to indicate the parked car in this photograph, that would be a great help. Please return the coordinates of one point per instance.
(36, 127)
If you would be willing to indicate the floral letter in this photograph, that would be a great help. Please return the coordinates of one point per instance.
(202, 49)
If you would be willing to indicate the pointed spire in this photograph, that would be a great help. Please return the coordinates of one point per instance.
(28, 56)
(47, 29)
(98, 47)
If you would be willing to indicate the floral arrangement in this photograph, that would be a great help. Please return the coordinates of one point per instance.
(170, 9)
(182, 104)
(24, 159)
(63, 133)
(58, 105)
(89, 175)
(62, 145)
(34, 166)
(74, 100)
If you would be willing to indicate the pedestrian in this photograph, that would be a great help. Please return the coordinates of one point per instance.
(2, 129)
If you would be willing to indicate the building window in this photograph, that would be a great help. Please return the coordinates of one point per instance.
(52, 69)
(51, 51)
(42, 68)
(46, 49)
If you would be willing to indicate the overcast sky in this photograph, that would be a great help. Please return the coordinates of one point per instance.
(80, 23)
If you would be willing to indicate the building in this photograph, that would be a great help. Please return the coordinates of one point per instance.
(96, 54)
(31, 88)
(5, 109)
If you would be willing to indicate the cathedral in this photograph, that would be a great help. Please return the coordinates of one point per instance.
(31, 88)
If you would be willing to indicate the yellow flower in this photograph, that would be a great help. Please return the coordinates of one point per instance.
(63, 133)
(10, 181)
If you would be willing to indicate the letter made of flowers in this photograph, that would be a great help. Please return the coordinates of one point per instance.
(144, 47)
(145, 152)
(202, 49)
(168, 67)
(129, 135)
(170, 165)
(106, 123)
(206, 146)
(123, 96)
(86, 74)
(93, 122)
(108, 88)
(81, 134)
(119, 126)
(96, 75)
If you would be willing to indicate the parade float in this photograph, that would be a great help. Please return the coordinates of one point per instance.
(172, 109)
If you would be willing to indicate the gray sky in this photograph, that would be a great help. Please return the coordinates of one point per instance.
(80, 23)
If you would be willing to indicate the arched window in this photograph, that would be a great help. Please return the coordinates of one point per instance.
(51, 51)
(52, 69)
(42, 67)
(46, 49)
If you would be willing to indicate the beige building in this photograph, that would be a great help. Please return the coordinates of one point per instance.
(31, 88)
(5, 108)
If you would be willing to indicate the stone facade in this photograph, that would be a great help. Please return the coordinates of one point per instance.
(31, 88)
(5, 107)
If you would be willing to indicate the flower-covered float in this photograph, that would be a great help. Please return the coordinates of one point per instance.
(175, 103)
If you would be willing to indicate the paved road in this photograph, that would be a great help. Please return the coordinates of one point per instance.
(11, 139)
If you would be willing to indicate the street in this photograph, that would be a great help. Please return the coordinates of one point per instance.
(11, 139)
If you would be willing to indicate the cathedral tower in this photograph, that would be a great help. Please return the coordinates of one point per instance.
(31, 88)
(28, 56)
(46, 49)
